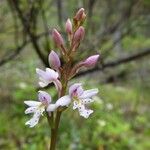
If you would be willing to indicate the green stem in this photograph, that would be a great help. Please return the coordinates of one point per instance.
(54, 131)
(50, 119)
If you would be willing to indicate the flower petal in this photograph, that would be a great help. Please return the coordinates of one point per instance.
(49, 75)
(51, 107)
(52, 74)
(32, 103)
(83, 111)
(75, 105)
(43, 84)
(87, 101)
(41, 73)
(89, 93)
(63, 101)
(30, 110)
(44, 97)
(58, 85)
(34, 120)
(86, 113)
(75, 89)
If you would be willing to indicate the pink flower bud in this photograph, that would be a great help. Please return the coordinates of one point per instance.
(79, 35)
(91, 61)
(80, 15)
(57, 37)
(54, 60)
(68, 26)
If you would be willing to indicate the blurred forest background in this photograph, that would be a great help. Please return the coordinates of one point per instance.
(119, 31)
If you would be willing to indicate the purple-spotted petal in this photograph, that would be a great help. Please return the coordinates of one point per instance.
(86, 113)
(34, 120)
(30, 110)
(87, 101)
(75, 105)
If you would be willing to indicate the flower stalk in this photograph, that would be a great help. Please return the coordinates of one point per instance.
(59, 74)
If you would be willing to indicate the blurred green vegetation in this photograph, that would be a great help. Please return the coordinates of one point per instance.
(121, 118)
(120, 121)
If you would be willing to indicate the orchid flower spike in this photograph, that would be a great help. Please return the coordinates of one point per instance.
(54, 60)
(47, 77)
(38, 107)
(80, 99)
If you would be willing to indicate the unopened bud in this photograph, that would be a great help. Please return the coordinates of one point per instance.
(68, 26)
(79, 35)
(80, 15)
(91, 61)
(57, 37)
(54, 60)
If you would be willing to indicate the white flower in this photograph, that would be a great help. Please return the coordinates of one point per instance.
(47, 77)
(37, 108)
(80, 99)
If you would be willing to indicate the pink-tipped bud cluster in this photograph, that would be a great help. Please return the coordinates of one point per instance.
(57, 38)
(91, 61)
(68, 26)
(80, 15)
(54, 60)
(79, 35)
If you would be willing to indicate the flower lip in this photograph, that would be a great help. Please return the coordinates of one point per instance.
(35, 107)
(81, 98)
